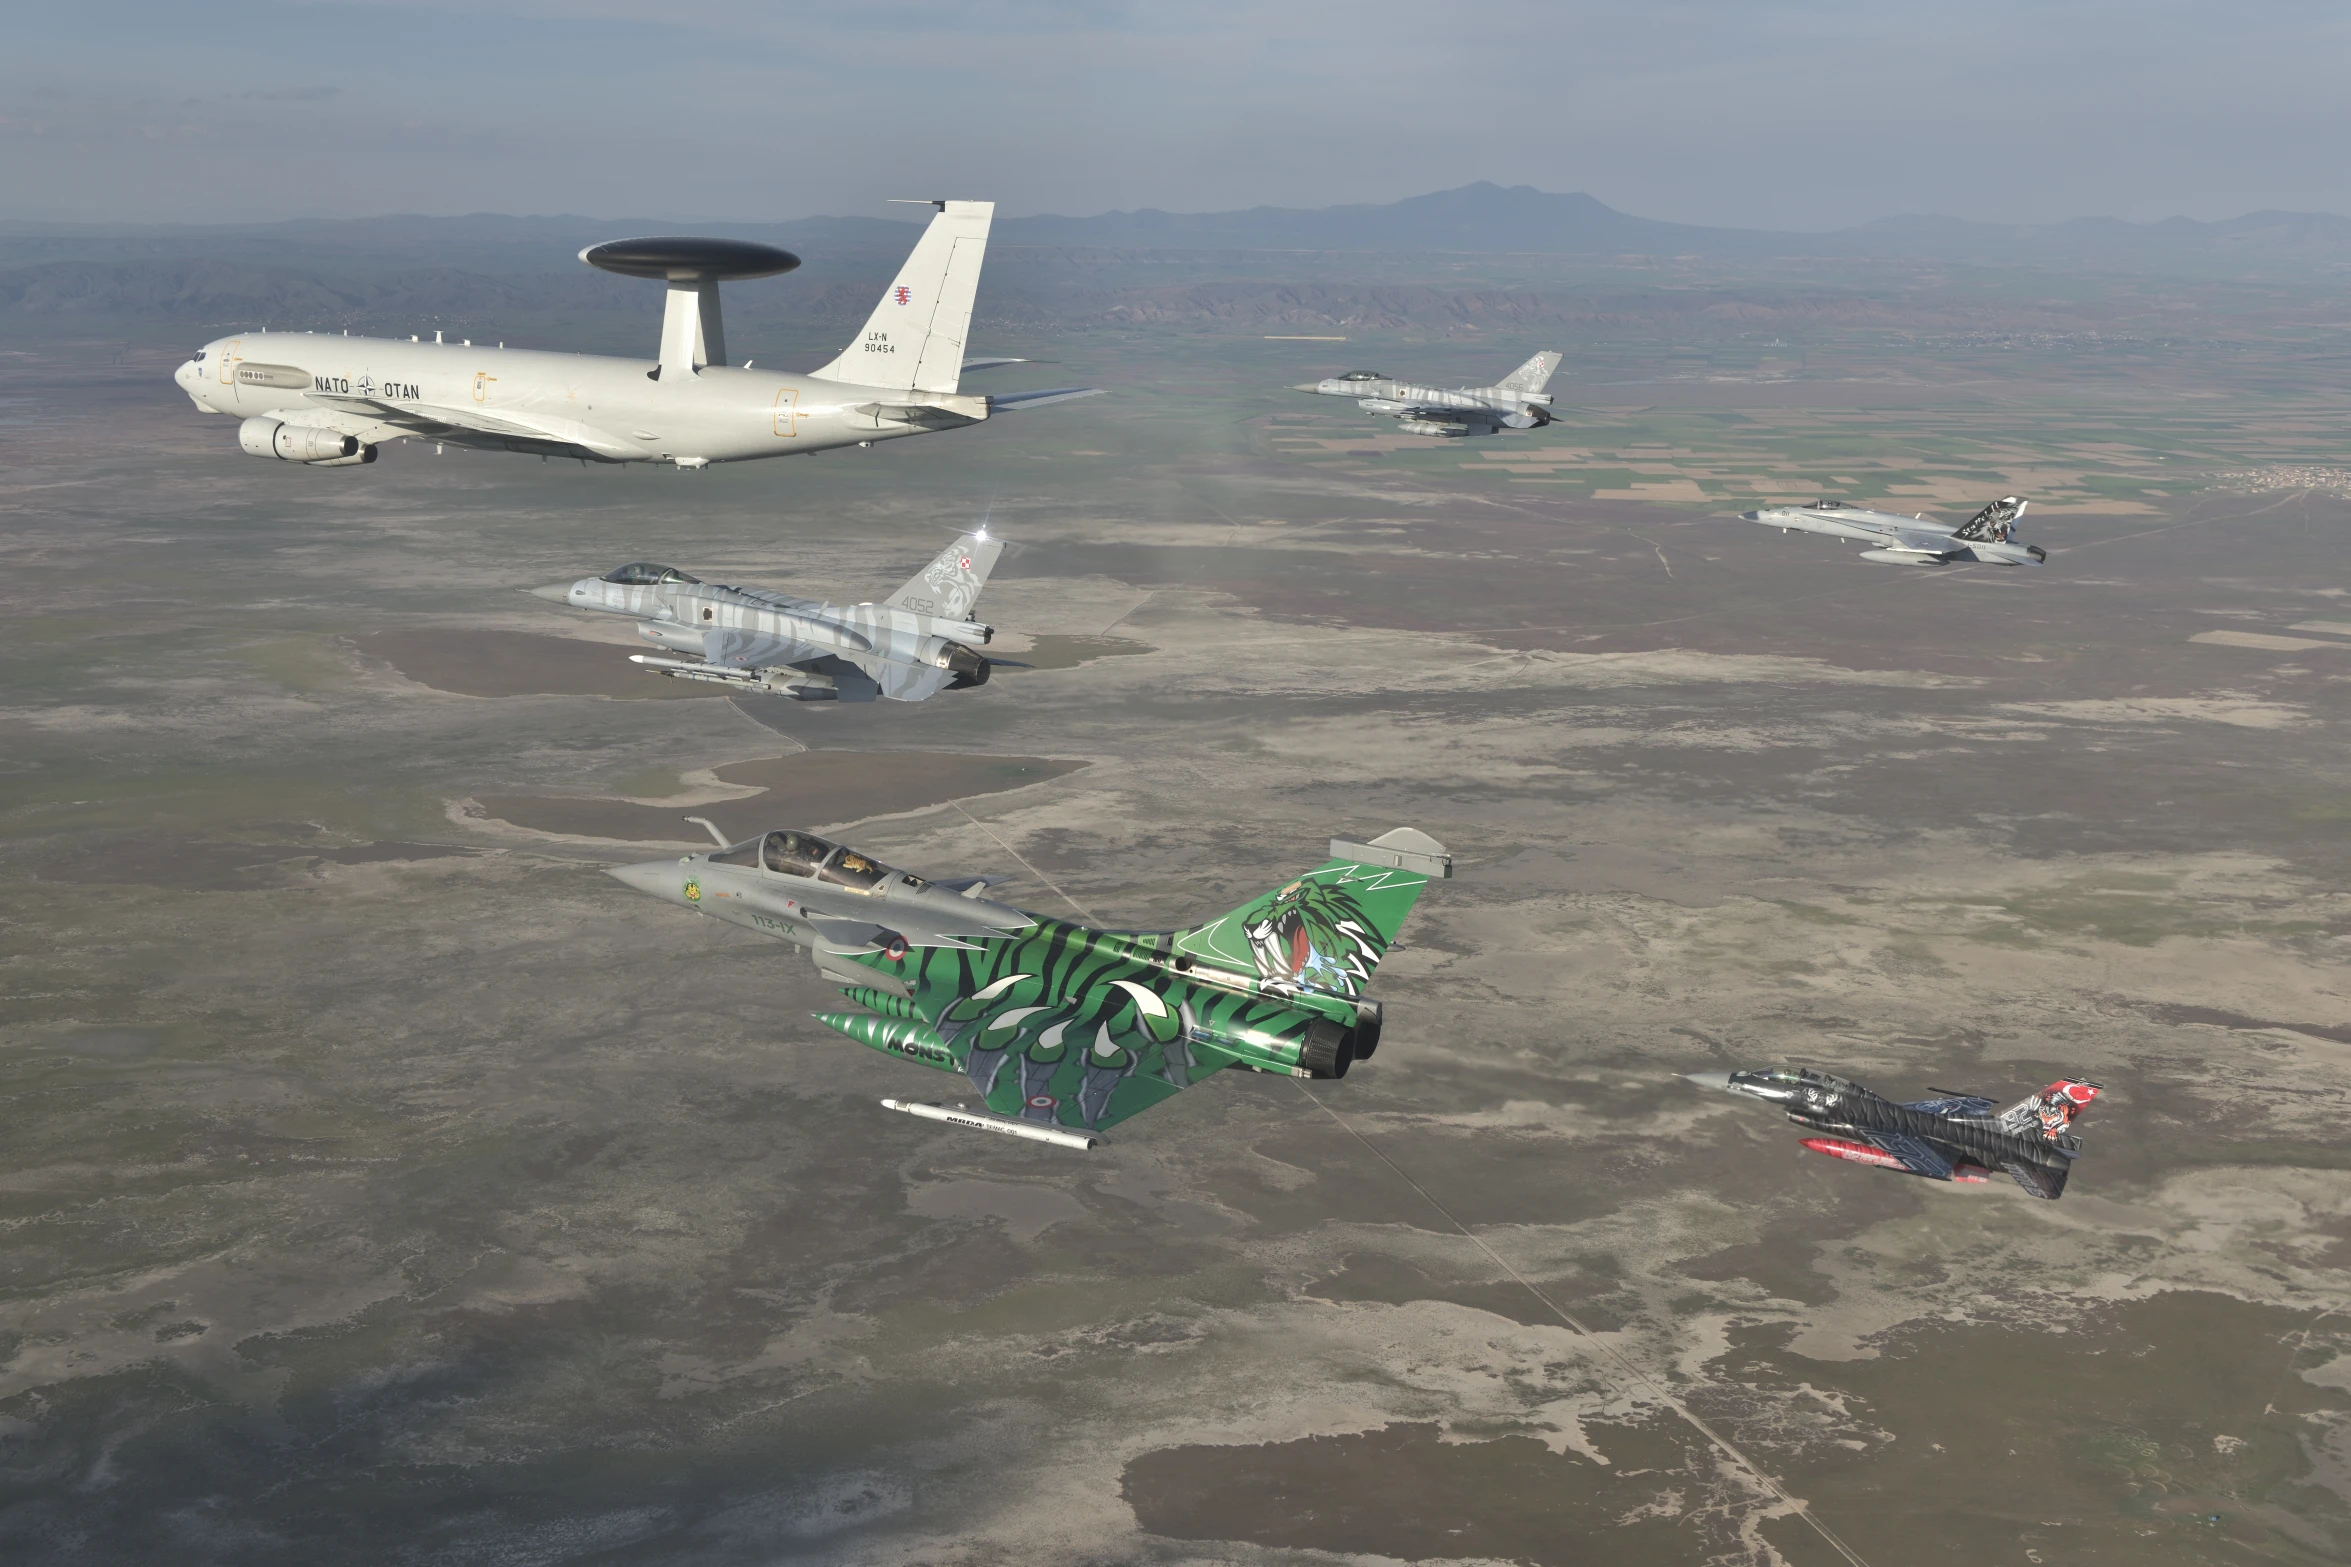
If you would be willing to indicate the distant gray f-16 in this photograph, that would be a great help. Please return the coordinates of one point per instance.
(327, 401)
(1988, 536)
(1517, 402)
(917, 642)
(1954, 1137)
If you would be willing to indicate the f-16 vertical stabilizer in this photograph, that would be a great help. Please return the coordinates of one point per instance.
(914, 339)
(1532, 376)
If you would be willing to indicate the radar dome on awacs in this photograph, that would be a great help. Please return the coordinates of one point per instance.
(681, 258)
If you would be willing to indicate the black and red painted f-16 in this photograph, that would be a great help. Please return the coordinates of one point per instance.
(1954, 1137)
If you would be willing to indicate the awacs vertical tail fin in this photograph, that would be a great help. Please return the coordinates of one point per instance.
(1325, 932)
(1532, 376)
(2049, 1112)
(914, 339)
(950, 586)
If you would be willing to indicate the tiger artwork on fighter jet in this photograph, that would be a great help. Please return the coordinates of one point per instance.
(1312, 936)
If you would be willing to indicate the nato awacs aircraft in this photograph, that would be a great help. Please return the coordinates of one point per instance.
(329, 400)
(1058, 1029)
(917, 642)
(1517, 402)
(1952, 1137)
(1988, 536)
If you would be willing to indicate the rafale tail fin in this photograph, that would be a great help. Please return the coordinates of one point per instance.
(1327, 930)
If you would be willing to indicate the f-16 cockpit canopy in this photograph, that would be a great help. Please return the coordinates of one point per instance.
(1363, 375)
(645, 574)
(805, 854)
(1822, 506)
(1779, 1082)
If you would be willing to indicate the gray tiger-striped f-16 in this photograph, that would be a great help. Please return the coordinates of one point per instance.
(1988, 536)
(1516, 402)
(328, 400)
(919, 641)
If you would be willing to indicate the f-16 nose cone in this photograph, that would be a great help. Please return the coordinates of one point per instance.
(1307, 386)
(1721, 1080)
(553, 592)
(662, 878)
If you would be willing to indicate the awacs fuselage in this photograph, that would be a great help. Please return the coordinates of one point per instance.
(1989, 536)
(520, 400)
(1953, 1137)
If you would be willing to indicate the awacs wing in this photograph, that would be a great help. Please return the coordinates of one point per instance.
(950, 585)
(434, 418)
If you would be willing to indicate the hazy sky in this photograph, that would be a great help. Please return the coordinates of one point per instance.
(1802, 114)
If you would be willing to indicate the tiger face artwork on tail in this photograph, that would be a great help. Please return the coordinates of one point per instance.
(1312, 936)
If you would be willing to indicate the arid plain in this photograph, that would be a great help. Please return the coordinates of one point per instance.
(384, 1184)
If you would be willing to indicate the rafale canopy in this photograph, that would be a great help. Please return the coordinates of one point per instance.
(685, 259)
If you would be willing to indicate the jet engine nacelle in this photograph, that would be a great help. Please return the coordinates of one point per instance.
(1326, 1049)
(1526, 419)
(968, 667)
(301, 443)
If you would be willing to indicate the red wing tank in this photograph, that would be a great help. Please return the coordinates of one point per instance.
(919, 641)
(328, 400)
(1988, 537)
(1057, 1029)
(1954, 1137)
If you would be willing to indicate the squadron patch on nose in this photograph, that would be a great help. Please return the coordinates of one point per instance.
(693, 890)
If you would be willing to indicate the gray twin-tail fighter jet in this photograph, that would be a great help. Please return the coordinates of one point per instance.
(1988, 536)
(1954, 1137)
(917, 642)
(1517, 402)
(328, 401)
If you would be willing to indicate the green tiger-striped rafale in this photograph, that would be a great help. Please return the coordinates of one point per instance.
(1062, 1029)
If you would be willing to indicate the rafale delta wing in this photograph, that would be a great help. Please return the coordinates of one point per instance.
(1057, 1029)
(1518, 401)
(919, 641)
(1952, 1137)
(1988, 536)
(329, 400)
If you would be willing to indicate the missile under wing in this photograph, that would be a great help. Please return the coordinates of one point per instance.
(919, 641)
(330, 400)
(1058, 1029)
(1519, 401)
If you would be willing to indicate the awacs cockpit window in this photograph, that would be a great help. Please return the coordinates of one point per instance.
(851, 869)
(197, 357)
(794, 853)
(740, 854)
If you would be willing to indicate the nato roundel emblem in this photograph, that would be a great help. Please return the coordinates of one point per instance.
(964, 564)
(896, 950)
(693, 890)
(1042, 1102)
